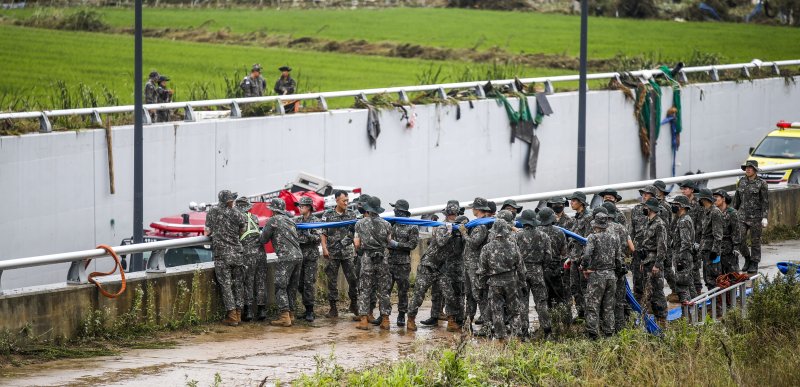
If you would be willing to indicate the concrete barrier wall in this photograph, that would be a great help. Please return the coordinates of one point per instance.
(55, 187)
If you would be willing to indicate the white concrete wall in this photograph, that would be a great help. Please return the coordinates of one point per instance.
(54, 188)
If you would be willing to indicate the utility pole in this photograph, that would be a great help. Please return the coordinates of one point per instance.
(138, 139)
(581, 181)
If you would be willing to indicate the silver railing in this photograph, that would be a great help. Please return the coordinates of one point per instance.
(77, 273)
(717, 301)
(402, 92)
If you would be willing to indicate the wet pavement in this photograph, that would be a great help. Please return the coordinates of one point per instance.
(257, 353)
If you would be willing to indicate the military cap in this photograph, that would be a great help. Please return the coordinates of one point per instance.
(610, 207)
(501, 228)
(512, 203)
(492, 207)
(612, 192)
(506, 215)
(579, 196)
(750, 163)
(153, 75)
(278, 205)
(305, 201)
(600, 221)
(661, 186)
(689, 184)
(653, 205)
(682, 201)
(244, 203)
(599, 210)
(557, 200)
(462, 219)
(256, 67)
(481, 204)
(528, 217)
(705, 193)
(546, 216)
(452, 208)
(373, 204)
(162, 78)
(227, 196)
(724, 194)
(400, 205)
(651, 189)
(285, 68)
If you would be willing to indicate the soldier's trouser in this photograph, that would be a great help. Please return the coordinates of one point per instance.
(332, 272)
(578, 286)
(534, 285)
(228, 270)
(697, 272)
(502, 292)
(287, 278)
(752, 226)
(638, 281)
(374, 279)
(308, 275)
(250, 275)
(730, 263)
(437, 303)
(621, 309)
(653, 296)
(400, 274)
(473, 290)
(566, 280)
(426, 277)
(600, 302)
(669, 273)
(710, 270)
(556, 293)
(684, 281)
(261, 280)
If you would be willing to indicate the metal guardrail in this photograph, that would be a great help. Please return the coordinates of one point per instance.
(402, 92)
(77, 272)
(716, 302)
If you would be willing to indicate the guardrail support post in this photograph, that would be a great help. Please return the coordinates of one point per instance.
(188, 113)
(714, 74)
(44, 124)
(236, 112)
(279, 106)
(96, 118)
(513, 87)
(77, 273)
(682, 78)
(155, 264)
(548, 87)
(146, 119)
(479, 92)
(322, 103)
(442, 94)
(403, 96)
(745, 72)
(775, 69)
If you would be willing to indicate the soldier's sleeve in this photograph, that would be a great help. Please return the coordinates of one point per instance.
(547, 251)
(268, 231)
(292, 85)
(277, 88)
(661, 248)
(737, 197)
(716, 231)
(413, 240)
(764, 192)
(244, 84)
(588, 251)
(440, 236)
(736, 236)
(686, 232)
(302, 235)
(314, 233)
(477, 237)
(522, 271)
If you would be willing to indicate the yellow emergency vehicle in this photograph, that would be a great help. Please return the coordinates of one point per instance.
(781, 146)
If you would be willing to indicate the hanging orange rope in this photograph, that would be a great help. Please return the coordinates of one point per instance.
(117, 264)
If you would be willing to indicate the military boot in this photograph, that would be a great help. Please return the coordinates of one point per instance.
(354, 307)
(230, 319)
(262, 312)
(238, 315)
(334, 312)
(385, 322)
(309, 313)
(411, 325)
(401, 319)
(376, 320)
(752, 268)
(452, 325)
(247, 313)
(283, 321)
(430, 321)
(363, 323)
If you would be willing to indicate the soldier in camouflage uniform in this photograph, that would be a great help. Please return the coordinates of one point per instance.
(711, 238)
(456, 273)
(254, 254)
(566, 222)
(499, 269)
(752, 202)
(681, 243)
(282, 232)
(689, 189)
(554, 269)
(372, 237)
(601, 258)
(512, 206)
(731, 236)
(610, 195)
(536, 249)
(638, 224)
(437, 300)
(337, 248)
(652, 255)
(253, 85)
(224, 224)
(621, 307)
(285, 84)
(433, 265)
(407, 238)
(474, 240)
(164, 94)
(309, 240)
(666, 216)
(150, 95)
(582, 227)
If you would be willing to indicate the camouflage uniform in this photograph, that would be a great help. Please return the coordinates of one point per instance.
(535, 247)
(455, 272)
(281, 230)
(752, 202)
(342, 252)
(653, 253)
(164, 95)
(577, 281)
(711, 245)
(602, 257)
(554, 270)
(731, 239)
(433, 269)
(474, 240)
(620, 302)
(309, 246)
(568, 223)
(225, 225)
(681, 242)
(255, 258)
(407, 238)
(669, 265)
(499, 269)
(285, 86)
(150, 95)
(374, 232)
(697, 214)
(253, 87)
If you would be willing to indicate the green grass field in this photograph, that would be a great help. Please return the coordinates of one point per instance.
(459, 28)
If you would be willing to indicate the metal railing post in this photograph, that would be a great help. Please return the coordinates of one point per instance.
(236, 111)
(188, 113)
(77, 273)
(44, 124)
(156, 264)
